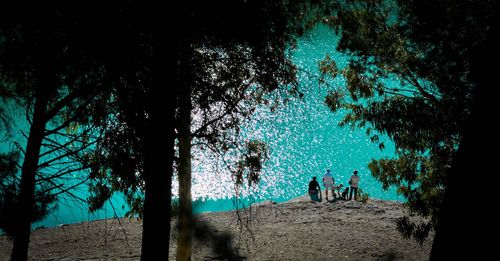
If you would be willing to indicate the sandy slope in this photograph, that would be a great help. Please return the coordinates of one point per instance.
(294, 230)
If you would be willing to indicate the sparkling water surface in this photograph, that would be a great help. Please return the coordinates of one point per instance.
(304, 140)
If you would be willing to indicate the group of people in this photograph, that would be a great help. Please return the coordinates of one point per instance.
(329, 185)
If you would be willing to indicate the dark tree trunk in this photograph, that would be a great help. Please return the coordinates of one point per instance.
(468, 220)
(159, 144)
(185, 200)
(29, 168)
(158, 161)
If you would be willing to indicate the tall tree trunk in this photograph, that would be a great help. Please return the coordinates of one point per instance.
(184, 240)
(29, 168)
(159, 145)
(468, 219)
(158, 161)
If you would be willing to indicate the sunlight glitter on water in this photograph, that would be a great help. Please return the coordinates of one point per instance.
(304, 140)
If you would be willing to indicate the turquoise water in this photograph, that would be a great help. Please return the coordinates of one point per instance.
(304, 140)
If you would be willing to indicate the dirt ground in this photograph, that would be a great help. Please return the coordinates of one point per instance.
(295, 230)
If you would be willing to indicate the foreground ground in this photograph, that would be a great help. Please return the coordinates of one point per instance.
(294, 230)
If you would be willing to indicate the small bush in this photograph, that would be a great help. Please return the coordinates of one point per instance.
(362, 196)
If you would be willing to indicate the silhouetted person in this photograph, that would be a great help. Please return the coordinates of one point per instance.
(328, 182)
(345, 193)
(314, 190)
(354, 181)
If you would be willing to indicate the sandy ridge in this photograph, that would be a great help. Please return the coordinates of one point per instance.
(293, 230)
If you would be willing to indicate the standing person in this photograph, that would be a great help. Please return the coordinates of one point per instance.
(328, 183)
(314, 190)
(354, 181)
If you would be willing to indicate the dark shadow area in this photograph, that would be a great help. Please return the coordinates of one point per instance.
(389, 256)
(468, 224)
(220, 242)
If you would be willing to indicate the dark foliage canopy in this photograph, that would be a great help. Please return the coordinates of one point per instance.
(426, 48)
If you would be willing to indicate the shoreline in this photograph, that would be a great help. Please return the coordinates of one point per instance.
(212, 201)
(296, 229)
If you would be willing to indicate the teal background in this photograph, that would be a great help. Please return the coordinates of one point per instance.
(303, 137)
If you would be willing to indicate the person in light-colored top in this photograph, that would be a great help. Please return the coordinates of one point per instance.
(354, 182)
(328, 182)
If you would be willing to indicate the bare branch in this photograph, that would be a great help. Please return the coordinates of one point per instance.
(228, 111)
(412, 80)
(67, 122)
(24, 135)
(66, 101)
(60, 174)
(61, 146)
(19, 147)
(67, 154)
(66, 190)
(121, 225)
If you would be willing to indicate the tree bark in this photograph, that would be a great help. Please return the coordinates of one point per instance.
(184, 240)
(30, 165)
(468, 219)
(159, 144)
(158, 160)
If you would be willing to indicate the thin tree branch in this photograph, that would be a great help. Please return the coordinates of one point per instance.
(60, 174)
(55, 148)
(67, 154)
(67, 122)
(67, 100)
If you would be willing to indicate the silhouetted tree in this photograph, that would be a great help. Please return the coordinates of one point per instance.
(474, 156)
(225, 74)
(44, 200)
(219, 55)
(427, 48)
(136, 153)
(223, 84)
(41, 66)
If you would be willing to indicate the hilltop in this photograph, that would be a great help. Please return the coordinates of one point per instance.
(294, 230)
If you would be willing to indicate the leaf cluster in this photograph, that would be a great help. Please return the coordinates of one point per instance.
(409, 78)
